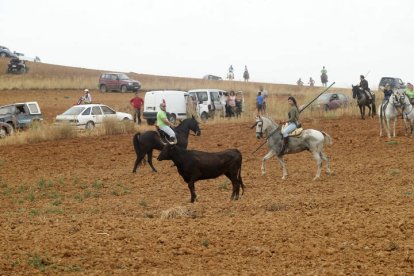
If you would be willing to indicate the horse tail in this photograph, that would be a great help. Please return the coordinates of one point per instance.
(374, 108)
(327, 139)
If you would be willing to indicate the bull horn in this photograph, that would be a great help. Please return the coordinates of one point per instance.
(174, 142)
(162, 142)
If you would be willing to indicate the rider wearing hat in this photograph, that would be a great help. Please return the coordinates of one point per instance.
(164, 124)
(387, 93)
(363, 84)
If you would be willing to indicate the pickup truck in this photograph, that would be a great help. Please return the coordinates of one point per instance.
(20, 115)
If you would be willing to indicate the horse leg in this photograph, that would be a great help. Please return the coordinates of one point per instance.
(381, 120)
(362, 112)
(318, 160)
(269, 155)
(369, 112)
(326, 159)
(283, 165)
(149, 154)
(387, 127)
(394, 123)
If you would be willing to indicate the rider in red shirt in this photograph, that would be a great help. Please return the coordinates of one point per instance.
(137, 103)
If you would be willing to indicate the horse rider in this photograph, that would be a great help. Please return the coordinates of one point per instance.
(165, 125)
(292, 123)
(387, 93)
(324, 76)
(299, 82)
(324, 71)
(231, 69)
(409, 91)
(311, 82)
(363, 85)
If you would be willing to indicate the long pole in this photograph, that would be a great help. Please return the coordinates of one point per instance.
(299, 112)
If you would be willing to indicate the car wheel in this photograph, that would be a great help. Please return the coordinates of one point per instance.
(204, 116)
(5, 130)
(103, 88)
(123, 88)
(90, 125)
(126, 119)
(172, 118)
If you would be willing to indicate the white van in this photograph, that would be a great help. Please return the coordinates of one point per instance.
(209, 102)
(178, 103)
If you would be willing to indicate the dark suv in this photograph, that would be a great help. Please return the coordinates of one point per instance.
(117, 82)
(395, 83)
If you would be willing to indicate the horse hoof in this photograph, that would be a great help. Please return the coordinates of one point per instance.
(316, 178)
(263, 173)
(283, 177)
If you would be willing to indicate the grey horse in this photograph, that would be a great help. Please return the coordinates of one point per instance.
(408, 113)
(310, 139)
(389, 113)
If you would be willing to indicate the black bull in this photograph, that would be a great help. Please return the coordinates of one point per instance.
(196, 165)
(146, 142)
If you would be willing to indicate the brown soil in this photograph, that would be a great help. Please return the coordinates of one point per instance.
(73, 206)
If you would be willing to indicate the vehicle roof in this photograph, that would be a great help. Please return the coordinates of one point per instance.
(19, 104)
(206, 89)
(114, 73)
(88, 105)
(166, 91)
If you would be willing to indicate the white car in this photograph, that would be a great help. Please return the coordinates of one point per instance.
(89, 115)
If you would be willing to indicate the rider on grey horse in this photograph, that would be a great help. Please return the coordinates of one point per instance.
(292, 123)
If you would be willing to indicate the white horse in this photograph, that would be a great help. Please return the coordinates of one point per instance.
(408, 113)
(310, 139)
(389, 113)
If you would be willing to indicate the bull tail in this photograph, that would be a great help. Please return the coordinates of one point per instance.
(135, 141)
(327, 139)
(240, 179)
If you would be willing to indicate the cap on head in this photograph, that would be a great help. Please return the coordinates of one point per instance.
(86, 90)
(362, 76)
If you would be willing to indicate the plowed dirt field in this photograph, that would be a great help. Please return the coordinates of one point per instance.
(74, 206)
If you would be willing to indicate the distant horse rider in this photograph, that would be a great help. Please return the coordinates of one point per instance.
(165, 125)
(311, 82)
(246, 74)
(231, 69)
(363, 85)
(293, 123)
(324, 76)
(299, 82)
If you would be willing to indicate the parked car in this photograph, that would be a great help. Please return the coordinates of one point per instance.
(5, 52)
(117, 82)
(395, 83)
(17, 66)
(330, 101)
(212, 77)
(20, 115)
(178, 105)
(90, 115)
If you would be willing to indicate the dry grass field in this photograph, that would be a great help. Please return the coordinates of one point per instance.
(72, 205)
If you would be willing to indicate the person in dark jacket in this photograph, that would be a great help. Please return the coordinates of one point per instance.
(363, 84)
(387, 93)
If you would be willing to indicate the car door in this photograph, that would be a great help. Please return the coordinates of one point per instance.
(107, 113)
(96, 114)
(215, 101)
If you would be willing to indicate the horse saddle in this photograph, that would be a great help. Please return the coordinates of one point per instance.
(165, 137)
(294, 133)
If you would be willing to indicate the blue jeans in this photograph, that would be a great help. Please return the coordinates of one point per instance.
(291, 127)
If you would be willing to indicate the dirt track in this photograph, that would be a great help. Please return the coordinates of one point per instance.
(74, 206)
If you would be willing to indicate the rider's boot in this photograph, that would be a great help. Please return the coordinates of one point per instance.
(284, 146)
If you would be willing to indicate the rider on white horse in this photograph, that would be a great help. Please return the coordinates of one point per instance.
(293, 123)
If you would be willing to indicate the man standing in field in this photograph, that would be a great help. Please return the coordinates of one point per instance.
(136, 104)
(265, 94)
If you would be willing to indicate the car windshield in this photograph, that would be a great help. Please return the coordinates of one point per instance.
(123, 77)
(74, 110)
